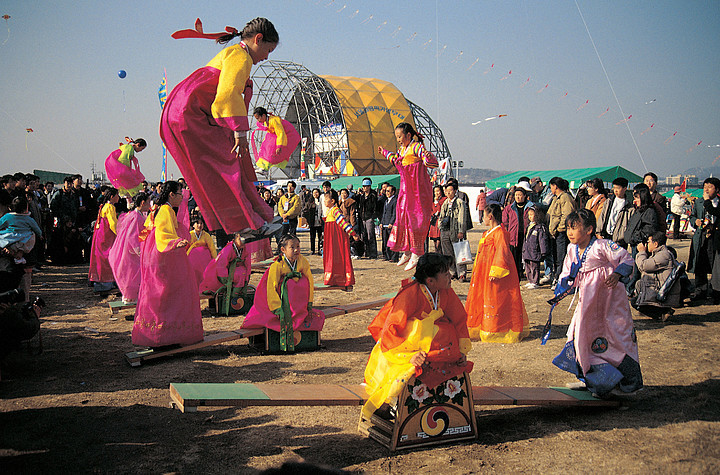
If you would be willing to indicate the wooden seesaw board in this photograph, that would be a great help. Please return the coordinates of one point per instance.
(136, 358)
(189, 396)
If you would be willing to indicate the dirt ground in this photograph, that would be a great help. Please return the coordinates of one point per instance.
(79, 407)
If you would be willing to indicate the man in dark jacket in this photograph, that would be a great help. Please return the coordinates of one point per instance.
(387, 221)
(367, 202)
(705, 246)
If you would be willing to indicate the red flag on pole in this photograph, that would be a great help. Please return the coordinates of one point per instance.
(683, 186)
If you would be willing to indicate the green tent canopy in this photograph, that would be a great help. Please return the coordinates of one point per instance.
(356, 181)
(694, 192)
(576, 176)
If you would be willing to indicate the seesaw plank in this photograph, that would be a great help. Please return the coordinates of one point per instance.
(189, 396)
(136, 358)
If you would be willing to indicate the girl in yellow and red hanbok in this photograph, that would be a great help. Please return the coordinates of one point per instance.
(204, 126)
(496, 312)
(421, 332)
(415, 198)
(281, 140)
(337, 262)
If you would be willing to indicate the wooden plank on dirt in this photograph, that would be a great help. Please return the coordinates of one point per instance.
(323, 287)
(309, 395)
(117, 305)
(136, 358)
(189, 396)
(262, 264)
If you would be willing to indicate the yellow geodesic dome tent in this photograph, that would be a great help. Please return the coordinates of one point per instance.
(341, 120)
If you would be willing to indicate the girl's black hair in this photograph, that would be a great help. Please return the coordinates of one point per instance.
(19, 204)
(643, 192)
(432, 264)
(253, 27)
(495, 211)
(407, 128)
(139, 198)
(260, 111)
(107, 193)
(598, 184)
(167, 188)
(140, 142)
(539, 214)
(333, 195)
(584, 217)
(285, 238)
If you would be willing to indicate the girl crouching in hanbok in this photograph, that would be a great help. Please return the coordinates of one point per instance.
(284, 297)
(168, 309)
(601, 348)
(124, 255)
(229, 272)
(122, 168)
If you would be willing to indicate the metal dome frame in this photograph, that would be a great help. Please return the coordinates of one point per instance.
(293, 92)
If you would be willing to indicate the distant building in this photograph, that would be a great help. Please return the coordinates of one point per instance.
(678, 179)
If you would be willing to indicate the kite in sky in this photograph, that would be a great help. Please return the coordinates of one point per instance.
(669, 139)
(582, 106)
(489, 118)
(6, 18)
(27, 133)
(606, 111)
(542, 89)
(508, 75)
(693, 147)
(488, 69)
(650, 102)
(715, 161)
(624, 120)
(648, 129)
(473, 64)
(525, 83)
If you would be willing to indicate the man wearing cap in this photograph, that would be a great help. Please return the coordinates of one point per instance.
(367, 204)
(677, 206)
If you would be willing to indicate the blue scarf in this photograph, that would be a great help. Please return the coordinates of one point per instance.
(564, 288)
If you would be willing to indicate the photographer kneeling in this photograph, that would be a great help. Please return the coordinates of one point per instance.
(655, 263)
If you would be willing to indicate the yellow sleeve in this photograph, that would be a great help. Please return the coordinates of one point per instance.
(304, 268)
(276, 127)
(234, 64)
(128, 152)
(109, 213)
(273, 284)
(166, 225)
(207, 239)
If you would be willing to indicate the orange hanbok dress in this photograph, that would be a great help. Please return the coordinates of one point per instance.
(495, 308)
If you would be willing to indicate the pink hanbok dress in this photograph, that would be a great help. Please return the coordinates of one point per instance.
(279, 133)
(123, 170)
(200, 252)
(415, 198)
(168, 308)
(601, 347)
(124, 255)
(283, 300)
(217, 271)
(197, 125)
(102, 240)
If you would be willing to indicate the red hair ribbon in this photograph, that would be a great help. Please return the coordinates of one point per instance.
(198, 32)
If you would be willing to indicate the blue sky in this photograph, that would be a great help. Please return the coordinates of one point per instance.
(60, 61)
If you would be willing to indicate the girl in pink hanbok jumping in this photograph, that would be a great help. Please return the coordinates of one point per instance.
(204, 126)
(122, 168)
(281, 140)
(415, 198)
(601, 349)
